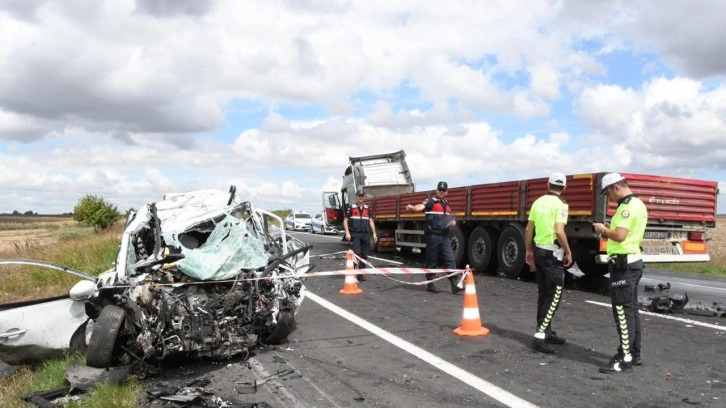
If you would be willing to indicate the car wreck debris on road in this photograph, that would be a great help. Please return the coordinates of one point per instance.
(671, 303)
(199, 273)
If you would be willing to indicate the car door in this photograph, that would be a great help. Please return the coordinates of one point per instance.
(31, 332)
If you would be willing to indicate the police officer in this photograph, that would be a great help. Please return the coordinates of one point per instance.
(438, 223)
(550, 255)
(358, 224)
(624, 235)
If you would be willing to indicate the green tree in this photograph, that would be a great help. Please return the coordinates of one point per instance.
(94, 211)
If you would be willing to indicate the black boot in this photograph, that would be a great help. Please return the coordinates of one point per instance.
(454, 289)
(432, 288)
(542, 346)
(552, 338)
(361, 278)
(617, 364)
(636, 357)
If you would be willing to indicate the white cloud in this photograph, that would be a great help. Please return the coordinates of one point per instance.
(127, 98)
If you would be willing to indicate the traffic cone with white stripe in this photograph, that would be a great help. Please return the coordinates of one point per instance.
(350, 287)
(470, 320)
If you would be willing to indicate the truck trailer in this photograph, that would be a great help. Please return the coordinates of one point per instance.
(491, 217)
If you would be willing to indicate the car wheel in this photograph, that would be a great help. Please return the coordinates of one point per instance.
(285, 326)
(103, 343)
(81, 337)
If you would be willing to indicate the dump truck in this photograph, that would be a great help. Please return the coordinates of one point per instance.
(491, 217)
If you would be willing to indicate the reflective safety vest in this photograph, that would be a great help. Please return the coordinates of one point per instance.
(438, 214)
(358, 218)
(633, 215)
(546, 212)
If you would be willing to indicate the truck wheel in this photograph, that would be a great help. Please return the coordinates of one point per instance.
(584, 255)
(481, 249)
(511, 251)
(103, 347)
(458, 245)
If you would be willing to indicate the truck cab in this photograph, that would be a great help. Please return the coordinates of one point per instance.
(377, 175)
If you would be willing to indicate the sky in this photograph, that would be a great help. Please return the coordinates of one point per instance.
(133, 99)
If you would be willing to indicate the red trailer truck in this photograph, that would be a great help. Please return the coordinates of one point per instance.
(491, 217)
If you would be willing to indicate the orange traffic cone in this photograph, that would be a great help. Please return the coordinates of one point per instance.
(350, 287)
(470, 321)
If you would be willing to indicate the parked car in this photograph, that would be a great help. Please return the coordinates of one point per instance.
(198, 274)
(321, 225)
(299, 221)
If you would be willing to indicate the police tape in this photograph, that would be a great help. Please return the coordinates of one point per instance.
(426, 282)
(332, 255)
(375, 271)
(386, 272)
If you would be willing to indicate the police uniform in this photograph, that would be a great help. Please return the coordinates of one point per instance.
(546, 212)
(626, 269)
(359, 227)
(438, 223)
(438, 215)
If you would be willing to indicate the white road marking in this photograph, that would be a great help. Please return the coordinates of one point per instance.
(277, 388)
(686, 284)
(689, 321)
(468, 378)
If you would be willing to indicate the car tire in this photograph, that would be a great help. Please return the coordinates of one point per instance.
(79, 340)
(103, 343)
(285, 326)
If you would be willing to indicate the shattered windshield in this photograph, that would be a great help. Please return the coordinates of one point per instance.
(228, 248)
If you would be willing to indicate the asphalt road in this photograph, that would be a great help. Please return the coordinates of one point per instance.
(393, 346)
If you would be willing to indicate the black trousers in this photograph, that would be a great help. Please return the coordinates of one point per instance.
(439, 245)
(360, 241)
(624, 298)
(550, 281)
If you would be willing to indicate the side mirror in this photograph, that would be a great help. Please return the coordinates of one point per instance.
(82, 290)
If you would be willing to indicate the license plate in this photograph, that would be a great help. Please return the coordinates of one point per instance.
(660, 250)
(655, 235)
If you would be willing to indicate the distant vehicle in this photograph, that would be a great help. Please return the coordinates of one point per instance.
(489, 234)
(321, 225)
(299, 221)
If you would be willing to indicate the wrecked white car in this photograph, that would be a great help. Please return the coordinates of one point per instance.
(201, 274)
(33, 331)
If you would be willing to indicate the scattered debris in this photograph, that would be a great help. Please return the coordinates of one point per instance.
(247, 387)
(199, 382)
(665, 303)
(44, 399)
(86, 378)
(81, 379)
(660, 287)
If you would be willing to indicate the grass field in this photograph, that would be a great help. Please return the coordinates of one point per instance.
(64, 243)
